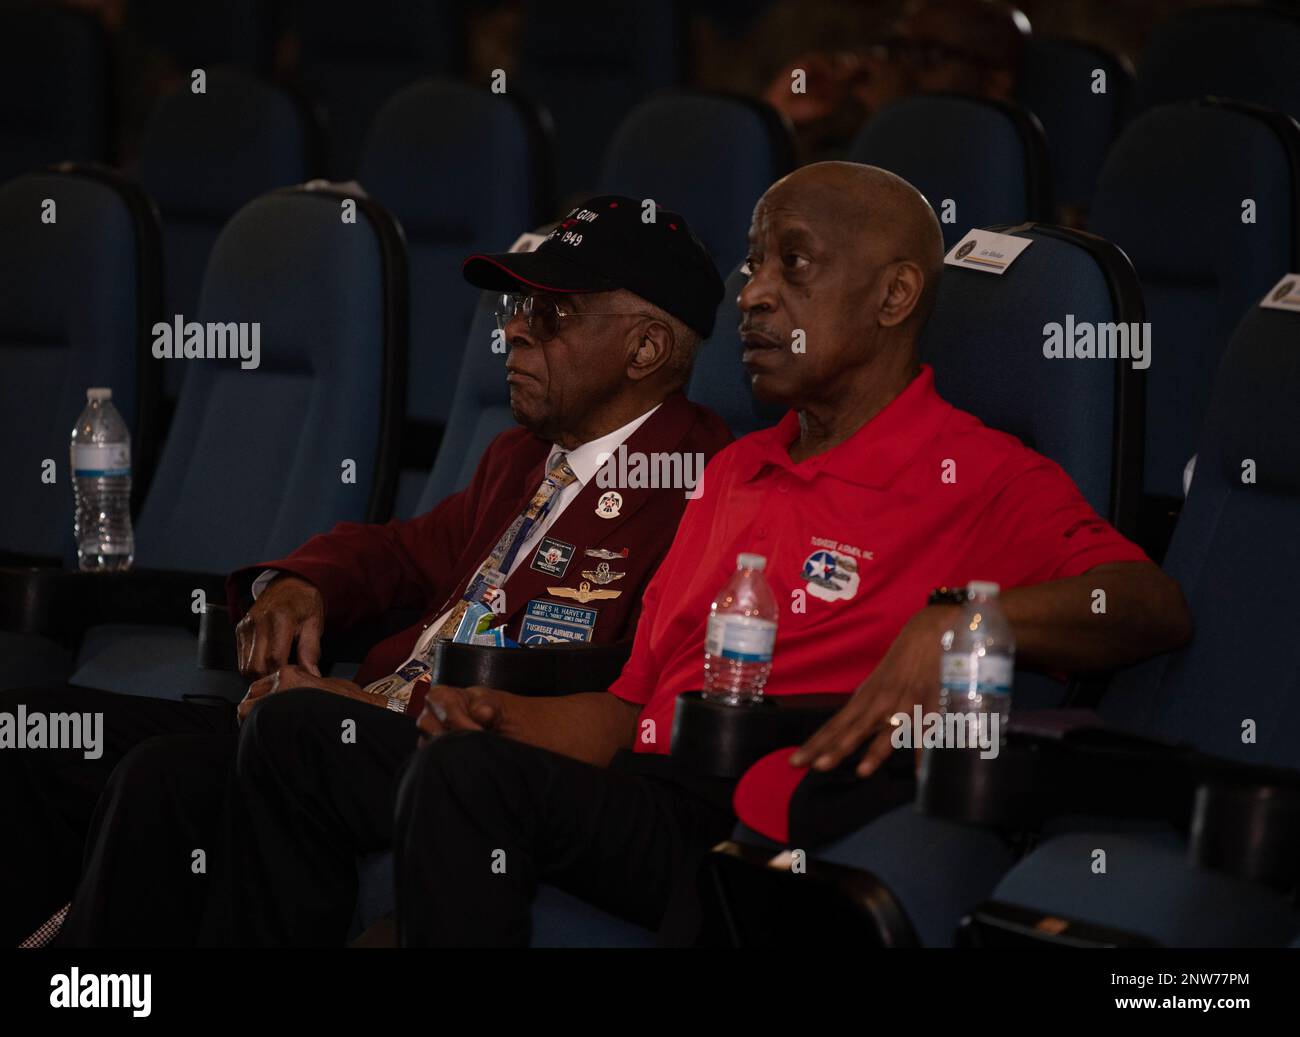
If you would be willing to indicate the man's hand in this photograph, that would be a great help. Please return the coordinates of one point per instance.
(287, 677)
(907, 675)
(474, 708)
(290, 609)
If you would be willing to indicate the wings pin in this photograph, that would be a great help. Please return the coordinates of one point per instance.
(583, 592)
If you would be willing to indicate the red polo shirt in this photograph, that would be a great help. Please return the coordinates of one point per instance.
(855, 539)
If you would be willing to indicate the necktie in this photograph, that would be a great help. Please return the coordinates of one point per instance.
(491, 574)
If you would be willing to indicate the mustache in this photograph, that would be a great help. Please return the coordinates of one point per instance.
(754, 330)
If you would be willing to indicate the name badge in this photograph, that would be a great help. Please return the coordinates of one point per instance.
(548, 622)
(986, 251)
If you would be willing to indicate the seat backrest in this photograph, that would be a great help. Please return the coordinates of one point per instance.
(719, 380)
(978, 162)
(81, 268)
(986, 341)
(588, 62)
(707, 156)
(257, 460)
(54, 89)
(1236, 556)
(480, 411)
(465, 171)
(202, 33)
(355, 54)
(1173, 195)
(1081, 111)
(204, 157)
(1247, 53)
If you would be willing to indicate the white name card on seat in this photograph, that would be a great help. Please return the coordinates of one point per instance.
(1285, 295)
(984, 250)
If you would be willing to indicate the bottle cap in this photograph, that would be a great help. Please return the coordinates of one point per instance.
(99, 394)
(751, 561)
(982, 589)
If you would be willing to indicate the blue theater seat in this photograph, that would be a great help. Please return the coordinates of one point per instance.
(988, 157)
(707, 156)
(1243, 52)
(80, 297)
(1171, 196)
(254, 461)
(54, 89)
(1055, 82)
(464, 170)
(588, 62)
(204, 157)
(1234, 544)
(355, 54)
(719, 380)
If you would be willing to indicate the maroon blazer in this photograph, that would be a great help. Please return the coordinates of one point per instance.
(364, 570)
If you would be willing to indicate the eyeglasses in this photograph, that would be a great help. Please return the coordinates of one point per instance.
(542, 314)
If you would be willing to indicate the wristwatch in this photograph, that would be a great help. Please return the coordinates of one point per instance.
(948, 596)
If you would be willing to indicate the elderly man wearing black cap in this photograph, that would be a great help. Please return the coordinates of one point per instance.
(602, 321)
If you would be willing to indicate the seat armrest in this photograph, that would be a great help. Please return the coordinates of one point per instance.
(61, 604)
(1246, 823)
(540, 670)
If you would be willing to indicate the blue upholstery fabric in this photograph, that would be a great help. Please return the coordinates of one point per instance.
(1170, 195)
(201, 33)
(355, 54)
(203, 158)
(27, 660)
(463, 171)
(974, 152)
(1150, 889)
(985, 340)
(936, 869)
(708, 157)
(253, 463)
(480, 411)
(153, 661)
(588, 62)
(1055, 82)
(719, 380)
(70, 317)
(1247, 53)
(1234, 543)
(54, 74)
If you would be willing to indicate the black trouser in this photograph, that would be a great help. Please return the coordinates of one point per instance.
(154, 840)
(314, 784)
(482, 820)
(47, 796)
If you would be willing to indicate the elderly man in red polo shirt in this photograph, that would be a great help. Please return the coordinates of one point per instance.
(514, 792)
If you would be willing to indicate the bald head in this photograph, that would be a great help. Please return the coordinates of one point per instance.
(851, 256)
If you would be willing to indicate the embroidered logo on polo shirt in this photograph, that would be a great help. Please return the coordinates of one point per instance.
(832, 569)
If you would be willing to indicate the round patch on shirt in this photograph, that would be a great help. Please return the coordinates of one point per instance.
(831, 576)
(610, 504)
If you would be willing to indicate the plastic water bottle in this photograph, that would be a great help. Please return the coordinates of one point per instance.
(101, 481)
(979, 657)
(741, 633)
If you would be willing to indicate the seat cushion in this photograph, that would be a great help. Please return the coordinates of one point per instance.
(1150, 889)
(155, 662)
(27, 661)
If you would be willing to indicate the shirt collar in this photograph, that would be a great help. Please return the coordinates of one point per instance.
(586, 460)
(873, 455)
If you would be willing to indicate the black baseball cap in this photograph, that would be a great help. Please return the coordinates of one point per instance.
(605, 244)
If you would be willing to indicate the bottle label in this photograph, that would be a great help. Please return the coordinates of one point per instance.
(983, 675)
(740, 638)
(93, 461)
